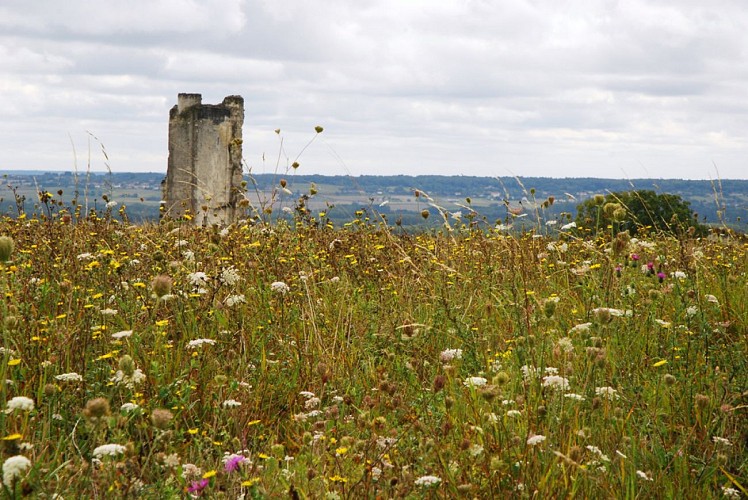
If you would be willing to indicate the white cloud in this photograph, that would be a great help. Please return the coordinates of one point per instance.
(603, 88)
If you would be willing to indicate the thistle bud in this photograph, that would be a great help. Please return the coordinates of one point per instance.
(161, 285)
(127, 365)
(6, 248)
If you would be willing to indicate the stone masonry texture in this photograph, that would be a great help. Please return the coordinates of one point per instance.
(204, 174)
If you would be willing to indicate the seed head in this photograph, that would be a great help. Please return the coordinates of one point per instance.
(702, 401)
(161, 418)
(127, 365)
(161, 285)
(6, 248)
(96, 409)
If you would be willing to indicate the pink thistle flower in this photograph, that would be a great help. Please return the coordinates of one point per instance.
(233, 463)
(198, 486)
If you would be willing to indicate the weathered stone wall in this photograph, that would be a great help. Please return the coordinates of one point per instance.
(204, 174)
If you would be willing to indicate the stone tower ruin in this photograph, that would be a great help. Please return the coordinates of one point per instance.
(204, 175)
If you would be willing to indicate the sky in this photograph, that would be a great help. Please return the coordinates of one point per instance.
(553, 88)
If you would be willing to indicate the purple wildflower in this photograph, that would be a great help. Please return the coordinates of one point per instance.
(198, 486)
(661, 276)
(233, 463)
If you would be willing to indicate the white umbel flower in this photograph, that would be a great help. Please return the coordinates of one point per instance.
(194, 344)
(69, 377)
(14, 467)
(280, 287)
(535, 440)
(428, 481)
(21, 403)
(108, 450)
(475, 382)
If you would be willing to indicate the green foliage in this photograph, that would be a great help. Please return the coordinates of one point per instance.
(634, 211)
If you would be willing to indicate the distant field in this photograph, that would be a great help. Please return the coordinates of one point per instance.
(715, 202)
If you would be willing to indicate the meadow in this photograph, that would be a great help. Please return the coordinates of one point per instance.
(366, 361)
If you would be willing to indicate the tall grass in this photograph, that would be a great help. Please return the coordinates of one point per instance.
(359, 362)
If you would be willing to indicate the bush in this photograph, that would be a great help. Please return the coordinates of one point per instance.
(633, 211)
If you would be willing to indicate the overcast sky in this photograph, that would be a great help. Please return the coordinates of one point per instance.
(596, 88)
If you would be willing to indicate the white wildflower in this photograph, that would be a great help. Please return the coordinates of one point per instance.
(85, 256)
(194, 344)
(529, 372)
(597, 451)
(129, 381)
(644, 475)
(232, 300)
(475, 450)
(565, 344)
(663, 323)
(14, 467)
(69, 377)
(556, 382)
(609, 310)
(181, 243)
(306, 394)
(678, 274)
(191, 470)
(427, 481)
(21, 403)
(311, 403)
(536, 439)
(721, 440)
(231, 403)
(568, 226)
(280, 287)
(575, 397)
(730, 492)
(712, 299)
(122, 335)
(582, 327)
(606, 392)
(108, 312)
(128, 407)
(513, 413)
(229, 276)
(108, 450)
(692, 310)
(448, 355)
(111, 204)
(475, 381)
(198, 278)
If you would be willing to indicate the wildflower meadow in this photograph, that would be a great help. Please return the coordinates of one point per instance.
(296, 358)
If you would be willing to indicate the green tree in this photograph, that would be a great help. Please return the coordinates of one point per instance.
(636, 210)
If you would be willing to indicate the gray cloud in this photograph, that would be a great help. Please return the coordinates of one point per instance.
(606, 88)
